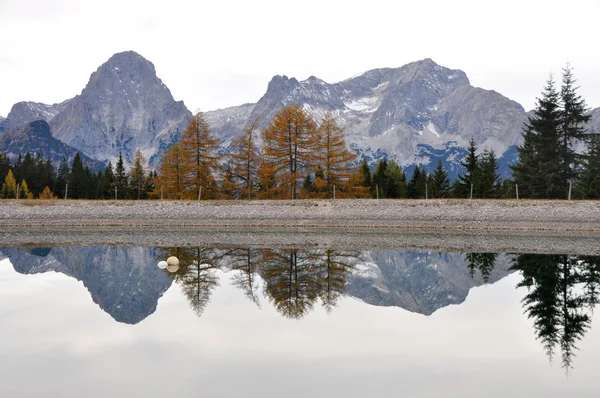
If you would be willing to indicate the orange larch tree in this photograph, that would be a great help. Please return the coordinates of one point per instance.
(290, 141)
(244, 161)
(199, 146)
(173, 169)
(333, 154)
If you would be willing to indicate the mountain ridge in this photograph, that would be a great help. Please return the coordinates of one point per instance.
(415, 114)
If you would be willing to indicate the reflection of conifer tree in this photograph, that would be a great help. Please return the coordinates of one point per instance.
(196, 275)
(591, 277)
(335, 270)
(484, 262)
(557, 309)
(291, 281)
(246, 262)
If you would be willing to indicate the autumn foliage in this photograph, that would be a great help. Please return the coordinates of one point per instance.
(299, 159)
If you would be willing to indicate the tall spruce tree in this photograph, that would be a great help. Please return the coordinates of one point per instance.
(489, 182)
(417, 185)
(379, 183)
(538, 170)
(462, 187)
(78, 179)
(574, 116)
(396, 181)
(439, 186)
(137, 176)
(120, 179)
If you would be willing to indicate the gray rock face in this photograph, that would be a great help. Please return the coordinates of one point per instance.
(420, 282)
(400, 113)
(26, 112)
(124, 106)
(35, 137)
(124, 282)
(594, 124)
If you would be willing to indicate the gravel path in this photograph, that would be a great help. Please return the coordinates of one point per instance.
(380, 214)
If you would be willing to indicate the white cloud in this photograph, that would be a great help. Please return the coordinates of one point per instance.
(215, 54)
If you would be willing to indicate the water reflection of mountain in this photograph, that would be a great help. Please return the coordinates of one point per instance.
(420, 282)
(123, 281)
(126, 284)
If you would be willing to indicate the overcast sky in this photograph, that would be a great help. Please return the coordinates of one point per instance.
(219, 53)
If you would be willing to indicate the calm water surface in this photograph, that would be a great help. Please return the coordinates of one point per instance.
(107, 321)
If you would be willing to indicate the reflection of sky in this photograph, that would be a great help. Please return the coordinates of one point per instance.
(54, 341)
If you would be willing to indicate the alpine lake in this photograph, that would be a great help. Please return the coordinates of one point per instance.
(231, 320)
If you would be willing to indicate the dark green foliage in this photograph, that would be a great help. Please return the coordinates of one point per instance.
(417, 184)
(439, 184)
(4, 166)
(78, 179)
(484, 262)
(365, 172)
(120, 182)
(538, 171)
(589, 183)
(559, 308)
(379, 183)
(488, 182)
(462, 187)
(107, 181)
(395, 181)
(574, 116)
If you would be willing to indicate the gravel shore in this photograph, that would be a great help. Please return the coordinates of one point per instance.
(385, 214)
(449, 225)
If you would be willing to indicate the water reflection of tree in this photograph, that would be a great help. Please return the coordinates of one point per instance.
(291, 280)
(295, 279)
(484, 262)
(246, 263)
(197, 274)
(335, 268)
(563, 291)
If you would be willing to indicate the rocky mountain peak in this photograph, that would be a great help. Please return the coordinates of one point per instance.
(122, 77)
(124, 106)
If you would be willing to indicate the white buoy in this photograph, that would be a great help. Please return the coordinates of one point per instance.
(162, 264)
(173, 268)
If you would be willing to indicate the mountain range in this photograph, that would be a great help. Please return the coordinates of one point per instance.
(416, 114)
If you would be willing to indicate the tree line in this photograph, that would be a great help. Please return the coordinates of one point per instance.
(548, 165)
(296, 157)
(34, 177)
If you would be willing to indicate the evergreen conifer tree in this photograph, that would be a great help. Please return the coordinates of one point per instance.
(439, 186)
(470, 163)
(489, 184)
(379, 183)
(137, 176)
(120, 178)
(4, 166)
(538, 170)
(78, 179)
(396, 181)
(573, 117)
